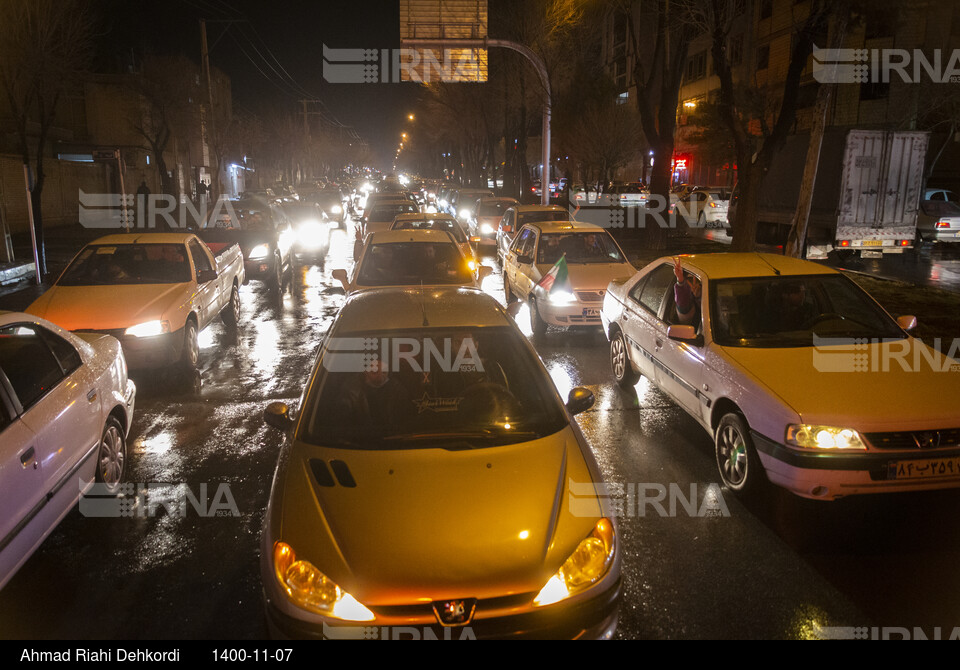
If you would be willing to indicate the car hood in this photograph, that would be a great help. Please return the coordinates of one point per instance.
(592, 276)
(432, 524)
(108, 307)
(895, 385)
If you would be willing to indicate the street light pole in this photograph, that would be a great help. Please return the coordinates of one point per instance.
(486, 43)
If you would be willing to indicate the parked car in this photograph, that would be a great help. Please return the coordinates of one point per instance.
(66, 406)
(411, 258)
(152, 291)
(704, 207)
(774, 371)
(938, 218)
(468, 417)
(515, 217)
(266, 236)
(591, 257)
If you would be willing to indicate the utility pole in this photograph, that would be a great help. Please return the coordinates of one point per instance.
(538, 64)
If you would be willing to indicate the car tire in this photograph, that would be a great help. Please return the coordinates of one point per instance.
(537, 324)
(508, 295)
(111, 456)
(276, 279)
(737, 461)
(190, 357)
(231, 311)
(623, 371)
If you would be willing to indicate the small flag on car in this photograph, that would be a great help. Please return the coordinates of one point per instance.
(557, 278)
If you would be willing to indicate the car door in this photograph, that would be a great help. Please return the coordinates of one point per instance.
(680, 368)
(21, 482)
(526, 250)
(641, 317)
(208, 293)
(522, 245)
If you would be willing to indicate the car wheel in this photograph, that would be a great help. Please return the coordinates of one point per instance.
(191, 346)
(276, 280)
(537, 324)
(111, 457)
(508, 295)
(623, 372)
(737, 461)
(231, 311)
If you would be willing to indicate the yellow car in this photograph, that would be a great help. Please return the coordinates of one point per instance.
(433, 481)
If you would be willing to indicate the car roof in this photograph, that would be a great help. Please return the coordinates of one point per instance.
(416, 235)
(733, 265)
(539, 208)
(565, 226)
(145, 238)
(412, 307)
(425, 216)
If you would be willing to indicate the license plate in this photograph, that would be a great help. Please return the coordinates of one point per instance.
(928, 468)
(591, 313)
(872, 243)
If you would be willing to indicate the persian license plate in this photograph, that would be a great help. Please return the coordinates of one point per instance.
(927, 468)
(872, 243)
(590, 313)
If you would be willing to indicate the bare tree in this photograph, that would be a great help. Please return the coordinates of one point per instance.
(44, 44)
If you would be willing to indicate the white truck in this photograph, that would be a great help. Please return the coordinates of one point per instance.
(865, 197)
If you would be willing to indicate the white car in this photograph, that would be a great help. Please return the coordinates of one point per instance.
(65, 411)
(800, 377)
(938, 218)
(411, 258)
(593, 259)
(704, 207)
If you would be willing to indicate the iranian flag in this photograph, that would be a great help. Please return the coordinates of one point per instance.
(557, 278)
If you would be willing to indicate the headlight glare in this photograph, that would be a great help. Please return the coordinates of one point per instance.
(808, 436)
(312, 590)
(148, 329)
(259, 251)
(589, 562)
(562, 298)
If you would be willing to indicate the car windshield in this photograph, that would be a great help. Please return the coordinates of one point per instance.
(448, 225)
(245, 219)
(579, 247)
(493, 208)
(413, 263)
(453, 389)
(128, 264)
(796, 311)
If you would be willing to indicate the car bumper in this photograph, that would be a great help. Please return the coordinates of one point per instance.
(943, 235)
(153, 352)
(575, 314)
(831, 476)
(261, 269)
(593, 618)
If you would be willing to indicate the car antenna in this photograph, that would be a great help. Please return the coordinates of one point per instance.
(775, 270)
(423, 310)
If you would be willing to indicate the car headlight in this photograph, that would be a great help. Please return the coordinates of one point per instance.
(148, 329)
(259, 251)
(586, 566)
(486, 229)
(808, 436)
(464, 213)
(312, 590)
(310, 233)
(336, 209)
(562, 298)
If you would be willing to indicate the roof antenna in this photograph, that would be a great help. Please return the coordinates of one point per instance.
(775, 270)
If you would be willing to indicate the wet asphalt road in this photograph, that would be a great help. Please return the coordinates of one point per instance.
(779, 567)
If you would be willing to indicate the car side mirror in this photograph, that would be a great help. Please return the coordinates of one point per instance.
(908, 322)
(682, 333)
(204, 276)
(484, 271)
(277, 415)
(580, 400)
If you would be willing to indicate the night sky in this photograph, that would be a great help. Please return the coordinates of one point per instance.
(272, 52)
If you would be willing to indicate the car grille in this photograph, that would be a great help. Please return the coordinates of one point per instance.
(590, 296)
(917, 439)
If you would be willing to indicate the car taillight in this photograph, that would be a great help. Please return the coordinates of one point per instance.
(903, 243)
(942, 224)
(508, 229)
(843, 243)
